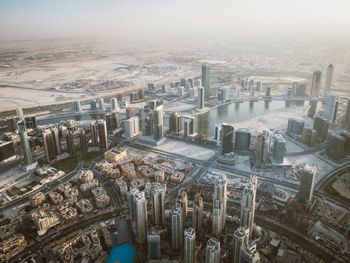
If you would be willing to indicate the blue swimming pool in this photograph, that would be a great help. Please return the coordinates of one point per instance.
(123, 253)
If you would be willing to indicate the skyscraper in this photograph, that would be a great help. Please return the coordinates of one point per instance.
(70, 142)
(206, 80)
(158, 205)
(316, 83)
(175, 124)
(328, 80)
(101, 104)
(261, 153)
(177, 227)
(27, 153)
(131, 194)
(30, 122)
(76, 106)
(183, 201)
(249, 254)
(140, 216)
(217, 217)
(197, 214)
(49, 145)
(227, 138)
(240, 238)
(102, 134)
(158, 123)
(307, 175)
(279, 148)
(347, 114)
(190, 245)
(220, 200)
(114, 104)
(188, 126)
(201, 95)
(212, 251)
(153, 242)
(94, 137)
(331, 107)
(248, 204)
(82, 140)
(93, 105)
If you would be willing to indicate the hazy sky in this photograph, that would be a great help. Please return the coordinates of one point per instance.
(23, 19)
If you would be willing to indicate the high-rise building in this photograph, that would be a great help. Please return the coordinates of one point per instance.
(19, 113)
(12, 123)
(70, 142)
(295, 127)
(112, 121)
(242, 139)
(268, 92)
(30, 122)
(206, 80)
(249, 254)
(158, 123)
(338, 144)
(129, 112)
(102, 134)
(114, 104)
(212, 251)
(321, 126)
(175, 124)
(158, 204)
(131, 194)
(141, 94)
(220, 201)
(183, 201)
(217, 217)
(140, 216)
(27, 153)
(227, 138)
(279, 148)
(307, 176)
(7, 150)
(82, 141)
(49, 145)
(218, 133)
(329, 78)
(248, 204)
(131, 127)
(240, 238)
(101, 104)
(153, 242)
(188, 126)
(347, 114)
(93, 105)
(316, 83)
(190, 245)
(94, 137)
(197, 214)
(262, 147)
(200, 99)
(331, 107)
(177, 227)
(76, 106)
(57, 140)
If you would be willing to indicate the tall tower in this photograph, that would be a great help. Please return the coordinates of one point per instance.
(206, 80)
(240, 238)
(102, 134)
(131, 194)
(227, 138)
(329, 78)
(212, 251)
(197, 215)
(217, 217)
(153, 242)
(158, 205)
(190, 245)
(248, 204)
(114, 104)
(182, 199)
(201, 97)
(220, 194)
(158, 123)
(307, 175)
(94, 137)
(316, 83)
(177, 227)
(331, 107)
(27, 153)
(76, 106)
(101, 104)
(140, 216)
(175, 124)
(49, 145)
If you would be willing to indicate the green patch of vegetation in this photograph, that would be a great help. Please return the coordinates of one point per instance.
(66, 165)
(91, 155)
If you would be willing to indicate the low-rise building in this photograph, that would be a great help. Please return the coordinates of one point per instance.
(84, 206)
(55, 198)
(101, 198)
(38, 199)
(116, 154)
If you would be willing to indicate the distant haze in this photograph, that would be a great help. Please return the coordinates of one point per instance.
(37, 19)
